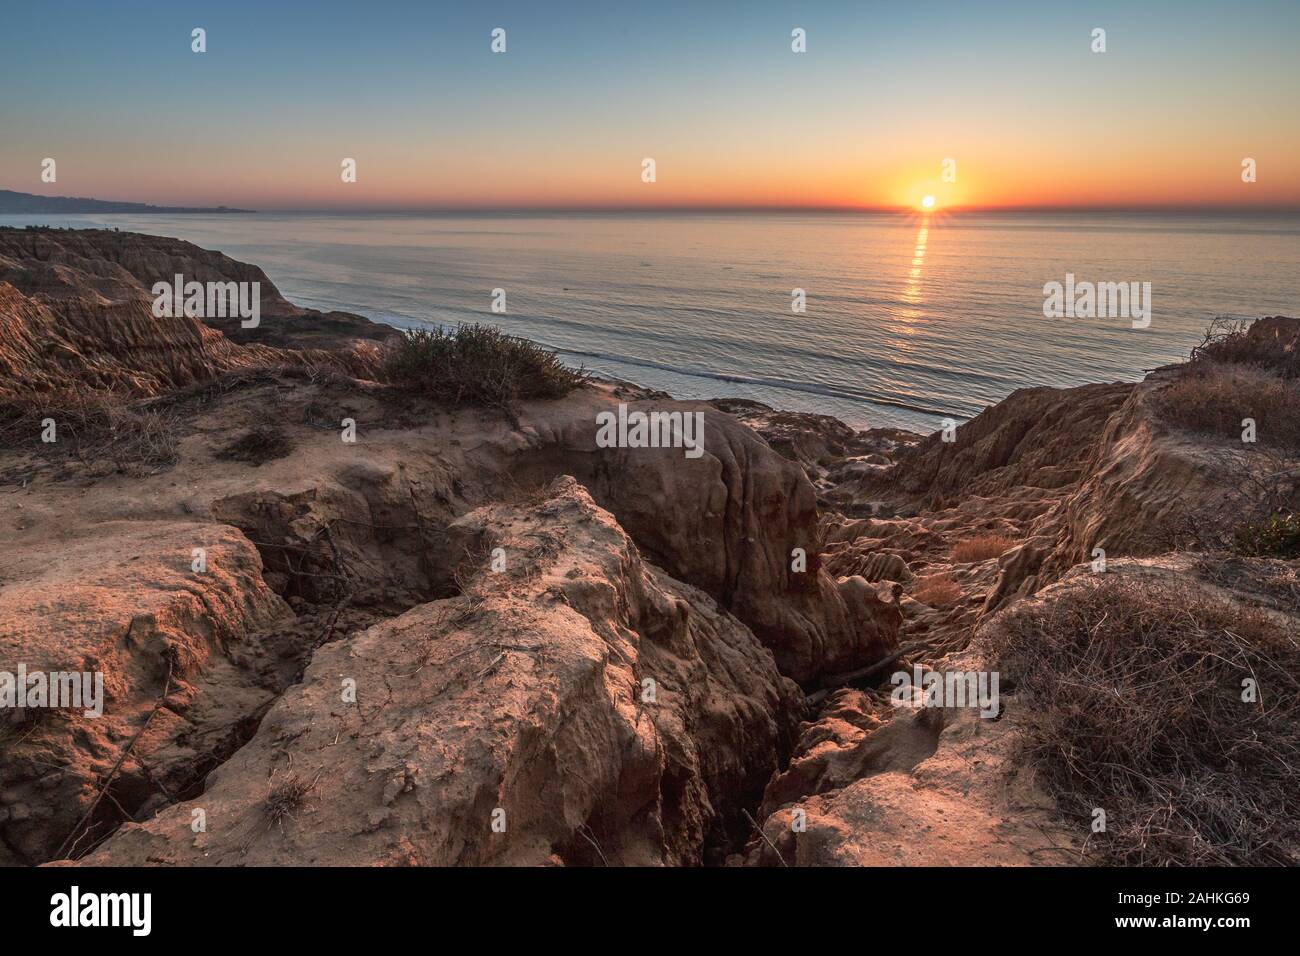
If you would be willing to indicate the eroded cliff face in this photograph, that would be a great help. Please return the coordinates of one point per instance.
(471, 639)
(310, 542)
(76, 310)
(1036, 501)
(335, 537)
(577, 707)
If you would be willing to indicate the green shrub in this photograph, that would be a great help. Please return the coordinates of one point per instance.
(476, 365)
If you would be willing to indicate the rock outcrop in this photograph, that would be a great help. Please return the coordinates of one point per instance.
(476, 638)
(309, 541)
(121, 599)
(76, 307)
(925, 787)
(741, 523)
(577, 707)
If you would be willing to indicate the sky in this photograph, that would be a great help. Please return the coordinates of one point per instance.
(711, 91)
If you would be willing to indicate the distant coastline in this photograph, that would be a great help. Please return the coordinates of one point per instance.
(16, 203)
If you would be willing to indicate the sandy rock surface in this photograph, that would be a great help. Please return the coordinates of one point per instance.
(504, 593)
(524, 701)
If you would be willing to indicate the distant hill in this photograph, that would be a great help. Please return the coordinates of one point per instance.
(13, 203)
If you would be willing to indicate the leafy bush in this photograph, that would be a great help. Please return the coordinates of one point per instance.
(476, 365)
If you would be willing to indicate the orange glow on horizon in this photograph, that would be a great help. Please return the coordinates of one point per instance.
(442, 177)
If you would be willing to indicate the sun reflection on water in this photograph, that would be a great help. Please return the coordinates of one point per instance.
(912, 290)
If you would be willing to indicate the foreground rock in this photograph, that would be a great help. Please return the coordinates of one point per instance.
(917, 788)
(121, 599)
(338, 537)
(593, 709)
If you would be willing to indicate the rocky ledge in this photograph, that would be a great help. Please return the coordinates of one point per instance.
(469, 637)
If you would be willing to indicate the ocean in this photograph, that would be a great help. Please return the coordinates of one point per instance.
(907, 319)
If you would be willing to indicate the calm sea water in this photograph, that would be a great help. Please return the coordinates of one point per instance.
(908, 320)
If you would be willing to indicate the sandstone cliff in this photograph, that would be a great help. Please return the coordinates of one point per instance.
(77, 307)
(478, 638)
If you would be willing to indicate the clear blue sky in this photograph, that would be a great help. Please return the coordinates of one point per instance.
(710, 90)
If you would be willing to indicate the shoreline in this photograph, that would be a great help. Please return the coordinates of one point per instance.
(863, 353)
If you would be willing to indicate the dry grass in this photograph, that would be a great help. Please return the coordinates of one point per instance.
(1130, 693)
(1233, 343)
(89, 426)
(286, 798)
(260, 444)
(1240, 371)
(1275, 583)
(937, 590)
(981, 548)
(1214, 397)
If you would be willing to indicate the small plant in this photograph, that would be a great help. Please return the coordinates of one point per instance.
(981, 548)
(476, 365)
(286, 798)
(1277, 536)
(259, 445)
(937, 590)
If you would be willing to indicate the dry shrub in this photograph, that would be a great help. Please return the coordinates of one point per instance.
(476, 365)
(1276, 535)
(259, 445)
(1241, 370)
(1130, 694)
(937, 590)
(285, 799)
(1265, 344)
(1213, 397)
(91, 425)
(981, 548)
(1275, 583)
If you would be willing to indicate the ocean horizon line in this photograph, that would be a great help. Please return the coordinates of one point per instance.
(1253, 211)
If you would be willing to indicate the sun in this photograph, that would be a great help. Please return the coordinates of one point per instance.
(927, 202)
